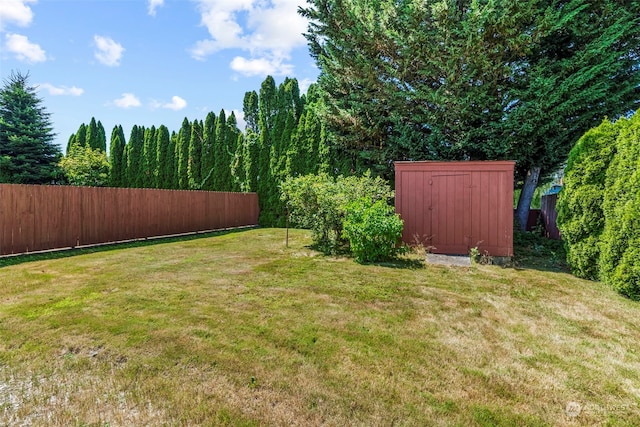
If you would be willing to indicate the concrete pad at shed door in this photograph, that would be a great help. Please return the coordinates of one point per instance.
(454, 260)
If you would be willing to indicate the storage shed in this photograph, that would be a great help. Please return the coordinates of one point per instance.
(451, 207)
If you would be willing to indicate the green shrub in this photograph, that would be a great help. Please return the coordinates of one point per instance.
(619, 254)
(318, 202)
(580, 215)
(372, 229)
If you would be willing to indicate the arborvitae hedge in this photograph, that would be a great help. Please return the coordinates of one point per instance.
(580, 216)
(620, 241)
(599, 206)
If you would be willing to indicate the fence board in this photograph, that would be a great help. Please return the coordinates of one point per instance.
(35, 218)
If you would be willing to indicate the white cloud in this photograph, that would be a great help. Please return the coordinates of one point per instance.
(17, 12)
(127, 100)
(24, 49)
(260, 66)
(268, 30)
(153, 5)
(176, 104)
(61, 90)
(108, 51)
(304, 84)
(242, 124)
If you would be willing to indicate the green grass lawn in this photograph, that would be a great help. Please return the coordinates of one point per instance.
(237, 329)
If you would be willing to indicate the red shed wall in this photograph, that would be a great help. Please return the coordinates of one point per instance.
(451, 207)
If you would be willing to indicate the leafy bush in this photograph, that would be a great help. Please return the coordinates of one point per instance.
(620, 260)
(580, 215)
(599, 206)
(86, 166)
(373, 229)
(318, 202)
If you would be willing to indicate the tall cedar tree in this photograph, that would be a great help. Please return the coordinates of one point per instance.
(117, 158)
(208, 151)
(266, 186)
(231, 146)
(175, 144)
(102, 138)
(238, 170)
(27, 152)
(464, 79)
(221, 165)
(95, 136)
(250, 156)
(195, 156)
(164, 158)
(80, 139)
(149, 159)
(135, 149)
(182, 154)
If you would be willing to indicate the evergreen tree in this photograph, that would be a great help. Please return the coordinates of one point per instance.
(221, 165)
(287, 106)
(92, 136)
(194, 166)
(70, 142)
(117, 159)
(266, 186)
(208, 151)
(620, 239)
(81, 137)
(102, 138)
(251, 143)
(415, 79)
(238, 170)
(164, 158)
(27, 152)
(175, 144)
(230, 149)
(182, 151)
(250, 157)
(299, 151)
(150, 161)
(251, 110)
(580, 213)
(135, 149)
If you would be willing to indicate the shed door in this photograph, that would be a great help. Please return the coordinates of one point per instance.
(450, 210)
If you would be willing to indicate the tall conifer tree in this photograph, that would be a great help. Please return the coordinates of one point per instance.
(164, 156)
(116, 157)
(183, 154)
(135, 149)
(267, 102)
(27, 152)
(194, 166)
(208, 151)
(102, 138)
(92, 134)
(221, 166)
(150, 161)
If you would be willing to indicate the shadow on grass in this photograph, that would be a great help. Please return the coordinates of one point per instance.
(536, 252)
(71, 252)
(402, 262)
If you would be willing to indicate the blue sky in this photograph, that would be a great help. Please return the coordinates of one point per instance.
(150, 62)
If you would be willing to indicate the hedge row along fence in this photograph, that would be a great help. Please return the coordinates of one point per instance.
(40, 217)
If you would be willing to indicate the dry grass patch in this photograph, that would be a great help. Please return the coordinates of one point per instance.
(237, 329)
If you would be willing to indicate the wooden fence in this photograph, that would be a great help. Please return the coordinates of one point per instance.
(550, 215)
(42, 217)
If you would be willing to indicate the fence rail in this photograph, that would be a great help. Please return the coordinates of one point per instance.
(42, 217)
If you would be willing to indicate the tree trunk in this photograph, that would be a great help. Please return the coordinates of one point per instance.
(526, 195)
